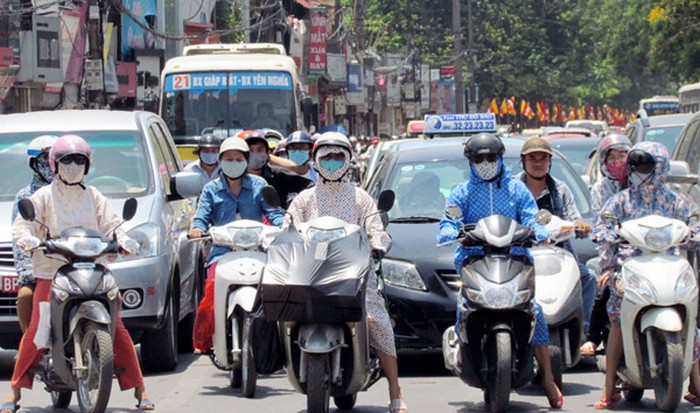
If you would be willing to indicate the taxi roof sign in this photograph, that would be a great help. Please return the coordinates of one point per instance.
(466, 123)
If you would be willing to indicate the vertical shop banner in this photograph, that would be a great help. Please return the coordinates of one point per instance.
(296, 41)
(73, 42)
(425, 87)
(317, 42)
(134, 35)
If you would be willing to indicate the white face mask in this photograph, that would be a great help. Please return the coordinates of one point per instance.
(257, 160)
(487, 170)
(72, 173)
(209, 158)
(234, 169)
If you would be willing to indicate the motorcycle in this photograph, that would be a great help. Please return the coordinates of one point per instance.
(237, 275)
(658, 310)
(314, 285)
(558, 292)
(82, 314)
(497, 316)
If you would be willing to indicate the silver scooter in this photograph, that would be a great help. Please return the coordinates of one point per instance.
(314, 285)
(83, 314)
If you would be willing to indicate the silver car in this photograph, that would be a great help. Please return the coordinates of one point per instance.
(133, 156)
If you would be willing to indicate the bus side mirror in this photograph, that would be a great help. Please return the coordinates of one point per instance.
(307, 105)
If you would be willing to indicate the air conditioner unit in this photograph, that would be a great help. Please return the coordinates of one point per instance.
(40, 51)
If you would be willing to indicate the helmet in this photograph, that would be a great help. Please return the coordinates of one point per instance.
(243, 134)
(257, 136)
(208, 140)
(299, 137)
(273, 137)
(536, 144)
(39, 146)
(332, 139)
(69, 145)
(234, 144)
(484, 144)
(612, 141)
(315, 137)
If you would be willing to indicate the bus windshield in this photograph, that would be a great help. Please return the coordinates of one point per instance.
(659, 106)
(228, 102)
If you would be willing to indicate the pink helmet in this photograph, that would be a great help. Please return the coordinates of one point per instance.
(69, 145)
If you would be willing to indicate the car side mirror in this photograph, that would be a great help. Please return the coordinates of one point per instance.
(26, 209)
(386, 200)
(129, 209)
(679, 173)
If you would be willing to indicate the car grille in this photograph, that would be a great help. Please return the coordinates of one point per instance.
(450, 278)
(7, 264)
(7, 260)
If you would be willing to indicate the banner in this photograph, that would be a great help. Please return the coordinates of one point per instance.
(234, 80)
(317, 42)
(133, 34)
(73, 42)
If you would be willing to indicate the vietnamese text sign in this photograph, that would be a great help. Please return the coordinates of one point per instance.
(460, 123)
(317, 42)
(236, 80)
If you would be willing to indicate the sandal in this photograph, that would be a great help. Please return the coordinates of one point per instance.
(692, 398)
(604, 403)
(9, 407)
(588, 349)
(398, 406)
(145, 404)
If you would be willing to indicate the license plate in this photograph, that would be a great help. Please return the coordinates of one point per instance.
(9, 283)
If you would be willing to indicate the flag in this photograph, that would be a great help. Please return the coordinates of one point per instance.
(494, 107)
(504, 107)
(546, 112)
(591, 112)
(511, 106)
(555, 112)
(526, 110)
(573, 113)
(562, 114)
(541, 115)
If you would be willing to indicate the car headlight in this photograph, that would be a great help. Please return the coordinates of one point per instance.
(147, 235)
(245, 237)
(686, 288)
(657, 238)
(324, 235)
(84, 246)
(637, 289)
(402, 274)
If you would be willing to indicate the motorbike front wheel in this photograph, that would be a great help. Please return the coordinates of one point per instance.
(500, 370)
(668, 385)
(61, 399)
(318, 383)
(95, 383)
(345, 402)
(557, 360)
(248, 373)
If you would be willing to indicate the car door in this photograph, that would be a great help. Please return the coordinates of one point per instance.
(687, 150)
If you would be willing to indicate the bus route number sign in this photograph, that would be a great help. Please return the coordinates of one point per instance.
(181, 82)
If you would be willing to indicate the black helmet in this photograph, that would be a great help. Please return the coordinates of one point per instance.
(257, 136)
(483, 144)
(208, 140)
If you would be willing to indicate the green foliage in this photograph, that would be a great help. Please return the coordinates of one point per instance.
(228, 17)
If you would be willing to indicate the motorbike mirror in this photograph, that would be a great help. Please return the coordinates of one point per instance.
(608, 216)
(386, 200)
(26, 209)
(129, 209)
(271, 197)
(543, 216)
(453, 212)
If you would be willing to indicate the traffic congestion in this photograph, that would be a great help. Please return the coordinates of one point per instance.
(298, 224)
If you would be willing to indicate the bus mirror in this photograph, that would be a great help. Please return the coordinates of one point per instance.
(307, 105)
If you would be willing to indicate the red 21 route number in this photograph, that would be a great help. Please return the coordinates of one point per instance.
(181, 82)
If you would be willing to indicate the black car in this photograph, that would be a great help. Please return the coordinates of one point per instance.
(420, 281)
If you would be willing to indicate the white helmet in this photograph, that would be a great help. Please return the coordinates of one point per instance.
(40, 145)
(234, 144)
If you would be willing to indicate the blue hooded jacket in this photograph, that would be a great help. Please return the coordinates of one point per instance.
(478, 199)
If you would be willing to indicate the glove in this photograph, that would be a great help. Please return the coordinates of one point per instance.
(129, 245)
(378, 254)
(28, 243)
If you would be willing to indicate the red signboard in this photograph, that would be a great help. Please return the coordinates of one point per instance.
(126, 76)
(317, 43)
(6, 56)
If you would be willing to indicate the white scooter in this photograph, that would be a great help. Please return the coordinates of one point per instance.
(558, 292)
(236, 281)
(658, 311)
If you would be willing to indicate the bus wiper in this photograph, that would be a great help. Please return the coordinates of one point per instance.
(415, 219)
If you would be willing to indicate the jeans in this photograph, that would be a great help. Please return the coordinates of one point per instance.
(589, 287)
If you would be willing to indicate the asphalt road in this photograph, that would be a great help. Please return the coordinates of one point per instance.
(197, 386)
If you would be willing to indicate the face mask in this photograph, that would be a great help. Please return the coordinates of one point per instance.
(43, 170)
(234, 169)
(209, 158)
(257, 160)
(617, 170)
(487, 170)
(71, 174)
(331, 165)
(298, 157)
(332, 169)
(637, 178)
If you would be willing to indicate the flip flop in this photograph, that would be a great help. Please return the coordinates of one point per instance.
(603, 403)
(398, 406)
(692, 398)
(145, 404)
(588, 349)
(10, 407)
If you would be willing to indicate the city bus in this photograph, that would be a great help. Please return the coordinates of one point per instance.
(659, 105)
(689, 98)
(226, 88)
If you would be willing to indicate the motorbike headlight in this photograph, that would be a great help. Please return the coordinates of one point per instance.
(147, 235)
(109, 287)
(85, 246)
(637, 289)
(686, 288)
(324, 235)
(658, 238)
(221, 238)
(402, 274)
(499, 295)
(245, 237)
(62, 286)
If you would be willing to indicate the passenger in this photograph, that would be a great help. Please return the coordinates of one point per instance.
(265, 119)
(299, 150)
(207, 166)
(65, 203)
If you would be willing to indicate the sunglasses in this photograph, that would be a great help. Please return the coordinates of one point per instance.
(479, 158)
(338, 156)
(642, 162)
(76, 159)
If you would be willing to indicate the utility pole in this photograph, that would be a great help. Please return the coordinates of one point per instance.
(94, 29)
(457, 33)
(471, 58)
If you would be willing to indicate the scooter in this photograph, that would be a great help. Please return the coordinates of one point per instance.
(82, 313)
(314, 285)
(558, 292)
(658, 310)
(497, 316)
(237, 275)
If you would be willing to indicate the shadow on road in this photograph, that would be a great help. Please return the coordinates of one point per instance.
(422, 363)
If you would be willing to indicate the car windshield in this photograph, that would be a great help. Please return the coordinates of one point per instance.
(423, 187)
(668, 135)
(577, 155)
(118, 168)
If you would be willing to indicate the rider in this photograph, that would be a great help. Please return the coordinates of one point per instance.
(333, 197)
(287, 183)
(555, 196)
(298, 147)
(208, 163)
(491, 180)
(234, 195)
(38, 151)
(612, 155)
(647, 165)
(65, 203)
